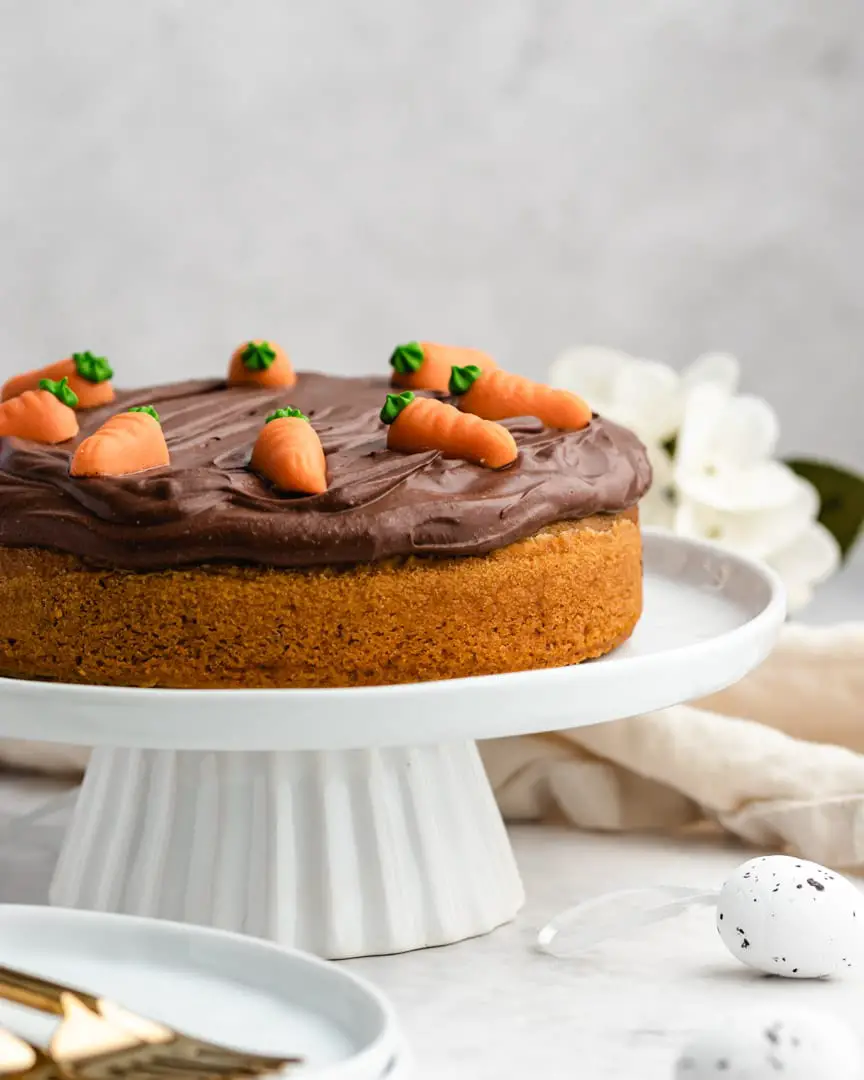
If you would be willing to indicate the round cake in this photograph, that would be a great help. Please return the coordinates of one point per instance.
(410, 566)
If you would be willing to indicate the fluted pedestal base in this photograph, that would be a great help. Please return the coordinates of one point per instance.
(342, 853)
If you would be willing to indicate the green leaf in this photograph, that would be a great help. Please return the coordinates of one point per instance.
(61, 390)
(94, 369)
(406, 359)
(146, 409)
(463, 378)
(286, 414)
(394, 405)
(841, 495)
(258, 356)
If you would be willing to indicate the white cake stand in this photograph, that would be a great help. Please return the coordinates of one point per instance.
(360, 821)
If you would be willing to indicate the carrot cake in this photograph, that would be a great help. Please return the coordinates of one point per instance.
(311, 531)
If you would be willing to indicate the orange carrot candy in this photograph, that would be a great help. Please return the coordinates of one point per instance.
(418, 423)
(89, 378)
(46, 415)
(260, 363)
(128, 442)
(289, 454)
(498, 395)
(420, 365)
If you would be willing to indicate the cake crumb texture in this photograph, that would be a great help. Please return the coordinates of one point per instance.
(569, 593)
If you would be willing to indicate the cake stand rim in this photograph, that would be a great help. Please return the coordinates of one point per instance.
(87, 715)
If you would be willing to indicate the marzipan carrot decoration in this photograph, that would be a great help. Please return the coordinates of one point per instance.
(89, 378)
(260, 363)
(497, 395)
(420, 365)
(289, 454)
(417, 423)
(128, 442)
(44, 415)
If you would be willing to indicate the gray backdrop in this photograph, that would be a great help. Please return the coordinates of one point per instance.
(668, 176)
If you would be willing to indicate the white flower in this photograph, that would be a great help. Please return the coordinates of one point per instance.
(788, 538)
(729, 489)
(657, 506)
(724, 452)
(644, 395)
(649, 398)
(641, 394)
(712, 450)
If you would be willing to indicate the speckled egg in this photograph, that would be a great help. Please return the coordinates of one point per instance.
(790, 917)
(795, 1045)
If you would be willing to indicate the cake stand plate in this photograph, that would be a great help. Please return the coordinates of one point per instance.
(359, 821)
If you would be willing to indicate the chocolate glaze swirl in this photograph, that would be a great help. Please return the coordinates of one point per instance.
(208, 507)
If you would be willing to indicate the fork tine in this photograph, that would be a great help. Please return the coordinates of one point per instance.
(20, 1060)
(113, 1043)
(89, 1047)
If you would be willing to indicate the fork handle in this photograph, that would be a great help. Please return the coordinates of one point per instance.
(22, 988)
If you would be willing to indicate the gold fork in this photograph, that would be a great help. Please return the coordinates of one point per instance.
(99, 1040)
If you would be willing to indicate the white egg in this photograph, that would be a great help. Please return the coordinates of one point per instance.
(790, 917)
(796, 1045)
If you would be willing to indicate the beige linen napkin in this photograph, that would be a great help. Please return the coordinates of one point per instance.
(756, 758)
(744, 758)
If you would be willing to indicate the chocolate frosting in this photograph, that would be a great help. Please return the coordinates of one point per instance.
(208, 507)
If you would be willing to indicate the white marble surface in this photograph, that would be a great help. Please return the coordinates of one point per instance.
(492, 1008)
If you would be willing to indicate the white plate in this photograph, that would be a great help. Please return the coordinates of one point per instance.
(236, 990)
(709, 618)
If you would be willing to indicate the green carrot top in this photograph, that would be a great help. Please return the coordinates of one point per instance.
(286, 414)
(407, 359)
(463, 378)
(258, 357)
(394, 405)
(146, 409)
(94, 369)
(61, 390)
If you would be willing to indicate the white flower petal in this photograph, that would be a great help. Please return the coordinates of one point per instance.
(636, 424)
(763, 487)
(798, 597)
(719, 429)
(759, 533)
(802, 564)
(722, 452)
(657, 506)
(773, 529)
(809, 560)
(651, 392)
(657, 511)
(737, 532)
(590, 371)
(700, 439)
(719, 368)
(662, 466)
(695, 521)
(751, 429)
